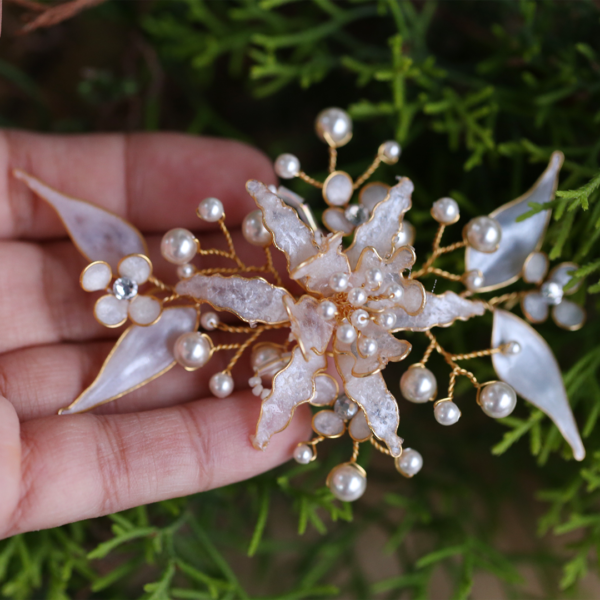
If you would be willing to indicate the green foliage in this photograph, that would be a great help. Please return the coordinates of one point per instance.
(479, 95)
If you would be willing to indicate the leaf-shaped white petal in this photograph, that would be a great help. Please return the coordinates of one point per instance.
(385, 221)
(140, 355)
(381, 408)
(252, 300)
(519, 240)
(292, 386)
(358, 428)
(290, 234)
(535, 267)
(569, 315)
(534, 374)
(97, 233)
(439, 311)
(311, 330)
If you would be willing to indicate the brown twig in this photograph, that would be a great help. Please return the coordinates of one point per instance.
(48, 16)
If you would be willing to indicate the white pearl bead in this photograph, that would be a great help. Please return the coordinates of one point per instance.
(192, 350)
(178, 246)
(473, 280)
(389, 152)
(303, 454)
(497, 399)
(347, 483)
(446, 413)
(418, 384)
(360, 319)
(210, 321)
(211, 210)
(395, 292)
(185, 271)
(344, 407)
(263, 354)
(338, 282)
(445, 211)
(221, 385)
(374, 278)
(357, 296)
(327, 309)
(409, 463)
(483, 234)
(386, 319)
(367, 346)
(406, 236)
(346, 333)
(254, 229)
(511, 348)
(334, 126)
(287, 166)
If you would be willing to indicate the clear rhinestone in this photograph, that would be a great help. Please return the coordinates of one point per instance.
(357, 215)
(125, 288)
(345, 407)
(552, 292)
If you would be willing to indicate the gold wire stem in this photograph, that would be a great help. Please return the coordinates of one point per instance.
(427, 354)
(379, 446)
(332, 159)
(171, 298)
(232, 251)
(355, 451)
(244, 329)
(163, 287)
(434, 254)
(478, 353)
(302, 175)
(451, 248)
(226, 347)
(444, 274)
(214, 252)
(315, 441)
(242, 349)
(271, 267)
(511, 299)
(367, 173)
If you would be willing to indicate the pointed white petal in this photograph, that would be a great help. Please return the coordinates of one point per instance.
(569, 315)
(309, 328)
(144, 310)
(534, 374)
(111, 311)
(97, 233)
(535, 268)
(140, 355)
(535, 307)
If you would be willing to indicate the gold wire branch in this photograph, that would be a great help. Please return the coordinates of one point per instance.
(302, 175)
(243, 347)
(332, 159)
(378, 446)
(355, 451)
(232, 251)
(479, 353)
(367, 173)
(271, 267)
(444, 274)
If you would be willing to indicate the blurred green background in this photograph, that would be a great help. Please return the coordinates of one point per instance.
(478, 94)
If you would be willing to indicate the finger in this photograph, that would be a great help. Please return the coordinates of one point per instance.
(86, 466)
(10, 460)
(155, 181)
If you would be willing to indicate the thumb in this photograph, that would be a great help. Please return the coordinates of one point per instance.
(10, 465)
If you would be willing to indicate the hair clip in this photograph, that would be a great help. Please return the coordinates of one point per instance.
(347, 324)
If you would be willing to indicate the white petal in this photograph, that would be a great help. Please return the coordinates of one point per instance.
(519, 239)
(534, 374)
(309, 328)
(137, 267)
(111, 312)
(379, 405)
(372, 194)
(253, 300)
(97, 233)
(535, 268)
(96, 276)
(290, 234)
(327, 390)
(335, 220)
(359, 428)
(144, 310)
(386, 219)
(337, 188)
(535, 307)
(569, 315)
(439, 311)
(140, 355)
(328, 424)
(292, 386)
(562, 274)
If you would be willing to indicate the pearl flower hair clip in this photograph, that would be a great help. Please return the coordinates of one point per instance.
(357, 299)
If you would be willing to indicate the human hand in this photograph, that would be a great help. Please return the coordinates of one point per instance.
(167, 439)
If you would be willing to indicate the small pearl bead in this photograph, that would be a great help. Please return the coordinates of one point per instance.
(263, 355)
(406, 236)
(254, 229)
(367, 346)
(418, 384)
(346, 333)
(178, 246)
(511, 348)
(357, 296)
(390, 152)
(483, 234)
(192, 350)
(185, 271)
(211, 210)
(327, 309)
(345, 407)
(446, 413)
(254, 381)
(360, 319)
(221, 385)
(257, 390)
(210, 321)
(395, 292)
(338, 282)
(409, 463)
(374, 278)
(346, 482)
(386, 319)
(497, 399)
(473, 280)
(445, 211)
(334, 126)
(287, 166)
(303, 454)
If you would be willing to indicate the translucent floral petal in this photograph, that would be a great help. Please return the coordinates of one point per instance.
(326, 390)
(252, 300)
(97, 233)
(439, 311)
(535, 307)
(358, 428)
(96, 276)
(111, 311)
(535, 268)
(136, 267)
(318, 269)
(292, 386)
(144, 310)
(534, 374)
(562, 274)
(379, 405)
(569, 315)
(140, 355)
(372, 194)
(519, 239)
(328, 424)
(335, 220)
(309, 328)
(386, 218)
(290, 234)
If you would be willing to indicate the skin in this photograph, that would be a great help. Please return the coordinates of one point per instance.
(167, 439)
